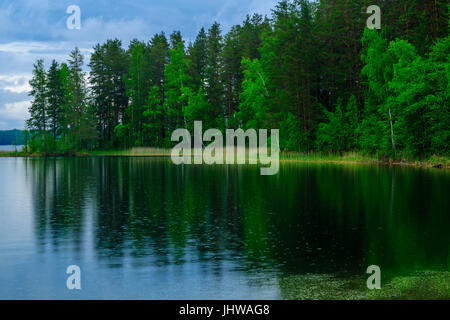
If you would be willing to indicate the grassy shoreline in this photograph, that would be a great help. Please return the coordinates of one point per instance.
(440, 162)
(347, 158)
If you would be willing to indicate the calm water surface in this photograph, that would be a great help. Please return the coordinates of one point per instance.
(144, 228)
(10, 148)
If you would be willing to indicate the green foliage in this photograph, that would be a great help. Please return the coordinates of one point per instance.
(420, 92)
(109, 67)
(197, 109)
(55, 98)
(340, 132)
(35, 144)
(38, 109)
(176, 88)
(154, 115)
(255, 98)
(379, 118)
(293, 139)
(198, 59)
(135, 84)
(408, 91)
(214, 89)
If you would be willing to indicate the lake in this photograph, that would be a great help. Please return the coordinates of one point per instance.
(10, 148)
(143, 228)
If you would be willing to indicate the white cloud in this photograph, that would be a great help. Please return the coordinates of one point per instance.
(15, 111)
(18, 88)
(23, 47)
(55, 49)
(17, 83)
(22, 55)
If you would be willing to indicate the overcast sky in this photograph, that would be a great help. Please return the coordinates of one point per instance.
(32, 29)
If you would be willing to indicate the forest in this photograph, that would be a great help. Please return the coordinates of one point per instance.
(312, 69)
(11, 137)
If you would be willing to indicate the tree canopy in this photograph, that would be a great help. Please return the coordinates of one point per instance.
(312, 69)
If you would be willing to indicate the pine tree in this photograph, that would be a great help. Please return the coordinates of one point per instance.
(287, 58)
(38, 110)
(197, 109)
(214, 88)
(136, 92)
(64, 75)
(55, 98)
(198, 61)
(154, 115)
(109, 65)
(176, 88)
(116, 68)
(82, 125)
(232, 71)
(251, 35)
(175, 39)
(159, 56)
(99, 90)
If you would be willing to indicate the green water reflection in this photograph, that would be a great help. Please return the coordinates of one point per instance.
(134, 213)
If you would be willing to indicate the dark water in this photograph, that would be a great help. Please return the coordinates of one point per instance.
(144, 228)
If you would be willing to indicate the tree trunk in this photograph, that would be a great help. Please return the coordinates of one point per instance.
(392, 133)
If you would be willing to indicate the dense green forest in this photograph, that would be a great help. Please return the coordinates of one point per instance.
(312, 69)
(12, 137)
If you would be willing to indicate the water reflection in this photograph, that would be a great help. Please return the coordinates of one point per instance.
(229, 223)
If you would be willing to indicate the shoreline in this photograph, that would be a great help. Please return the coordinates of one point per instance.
(421, 285)
(350, 158)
